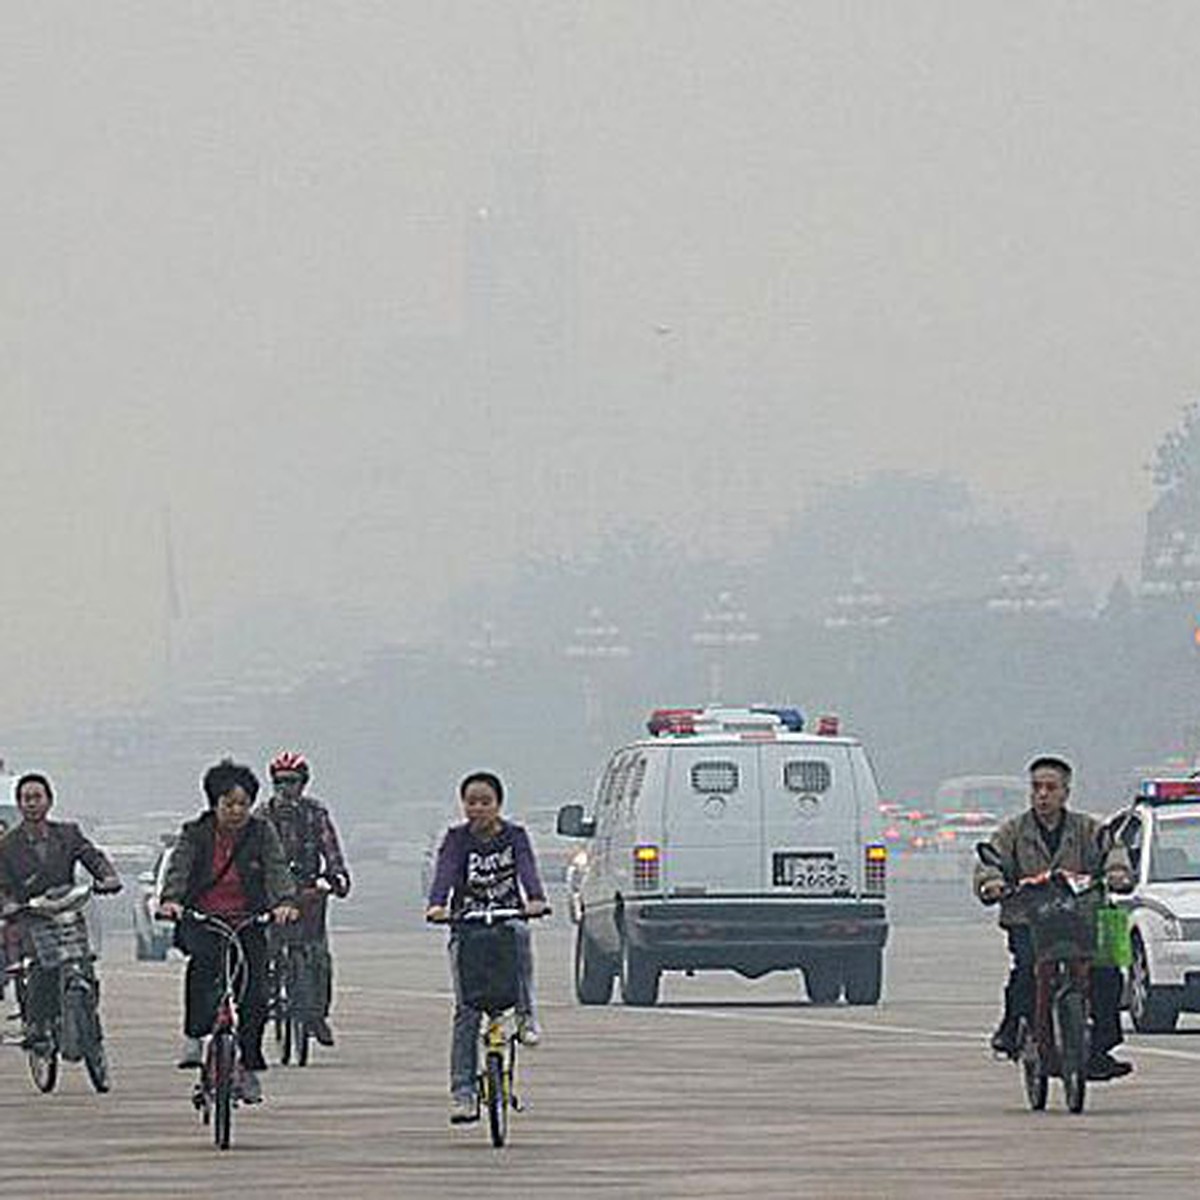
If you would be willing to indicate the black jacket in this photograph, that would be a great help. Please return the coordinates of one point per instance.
(258, 856)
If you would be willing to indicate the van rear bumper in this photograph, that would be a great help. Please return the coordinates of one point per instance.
(751, 937)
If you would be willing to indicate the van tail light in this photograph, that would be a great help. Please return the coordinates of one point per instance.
(646, 861)
(875, 873)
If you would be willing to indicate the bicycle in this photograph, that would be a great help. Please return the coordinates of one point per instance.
(215, 1093)
(495, 1083)
(1061, 912)
(293, 987)
(58, 932)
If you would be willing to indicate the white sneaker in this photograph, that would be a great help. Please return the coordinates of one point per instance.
(529, 1033)
(192, 1054)
(463, 1110)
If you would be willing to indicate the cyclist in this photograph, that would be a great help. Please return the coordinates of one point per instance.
(36, 856)
(310, 843)
(227, 863)
(1049, 837)
(484, 861)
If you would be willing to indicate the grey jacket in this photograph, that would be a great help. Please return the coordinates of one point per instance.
(1020, 844)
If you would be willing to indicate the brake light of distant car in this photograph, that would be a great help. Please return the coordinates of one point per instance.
(875, 873)
(646, 861)
(828, 725)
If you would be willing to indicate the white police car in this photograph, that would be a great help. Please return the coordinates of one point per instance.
(1161, 829)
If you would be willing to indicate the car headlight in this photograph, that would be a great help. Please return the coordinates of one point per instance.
(1172, 929)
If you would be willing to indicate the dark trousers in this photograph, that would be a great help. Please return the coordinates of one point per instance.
(41, 999)
(1019, 993)
(204, 980)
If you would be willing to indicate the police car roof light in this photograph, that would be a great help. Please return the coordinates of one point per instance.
(672, 720)
(721, 719)
(790, 718)
(1163, 791)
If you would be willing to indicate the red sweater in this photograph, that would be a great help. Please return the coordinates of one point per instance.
(226, 898)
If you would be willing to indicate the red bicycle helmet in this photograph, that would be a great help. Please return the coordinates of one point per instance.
(289, 762)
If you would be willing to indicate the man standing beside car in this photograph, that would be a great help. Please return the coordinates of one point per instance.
(1048, 837)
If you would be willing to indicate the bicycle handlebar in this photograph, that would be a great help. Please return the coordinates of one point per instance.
(489, 916)
(220, 924)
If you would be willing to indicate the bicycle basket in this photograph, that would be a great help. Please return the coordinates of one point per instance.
(57, 940)
(1113, 945)
(487, 967)
(1062, 924)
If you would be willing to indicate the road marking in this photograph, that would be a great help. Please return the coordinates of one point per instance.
(742, 1014)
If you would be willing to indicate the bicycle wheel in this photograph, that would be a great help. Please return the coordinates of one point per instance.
(223, 1067)
(81, 1017)
(1033, 1070)
(43, 1065)
(1070, 1033)
(285, 1006)
(496, 1095)
(300, 1006)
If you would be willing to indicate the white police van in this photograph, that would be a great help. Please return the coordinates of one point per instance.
(731, 839)
(1161, 830)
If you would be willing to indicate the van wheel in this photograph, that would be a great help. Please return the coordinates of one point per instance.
(864, 977)
(639, 977)
(823, 980)
(594, 972)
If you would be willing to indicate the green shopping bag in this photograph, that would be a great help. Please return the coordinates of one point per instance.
(1113, 947)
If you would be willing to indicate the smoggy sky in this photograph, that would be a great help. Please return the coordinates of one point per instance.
(375, 296)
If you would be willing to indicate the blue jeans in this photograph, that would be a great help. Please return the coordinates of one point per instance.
(464, 1039)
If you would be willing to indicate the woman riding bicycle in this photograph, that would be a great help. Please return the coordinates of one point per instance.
(485, 862)
(230, 864)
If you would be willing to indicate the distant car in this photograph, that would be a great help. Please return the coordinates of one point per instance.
(909, 829)
(1003, 795)
(1161, 830)
(152, 937)
(959, 831)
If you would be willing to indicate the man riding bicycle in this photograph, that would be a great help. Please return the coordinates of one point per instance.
(1047, 837)
(36, 856)
(310, 843)
(230, 864)
(484, 862)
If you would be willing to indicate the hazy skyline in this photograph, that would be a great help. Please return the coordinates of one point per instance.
(733, 252)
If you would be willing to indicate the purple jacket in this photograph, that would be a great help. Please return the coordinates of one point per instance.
(451, 871)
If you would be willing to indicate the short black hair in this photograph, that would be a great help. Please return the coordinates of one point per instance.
(1051, 760)
(493, 781)
(227, 775)
(33, 777)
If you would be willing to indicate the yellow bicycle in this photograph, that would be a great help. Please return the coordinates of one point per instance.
(495, 1083)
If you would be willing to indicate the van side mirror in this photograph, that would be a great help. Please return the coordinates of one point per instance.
(572, 823)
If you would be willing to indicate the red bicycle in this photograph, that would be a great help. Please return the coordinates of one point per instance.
(216, 1092)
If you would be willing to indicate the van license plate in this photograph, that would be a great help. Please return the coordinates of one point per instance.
(814, 874)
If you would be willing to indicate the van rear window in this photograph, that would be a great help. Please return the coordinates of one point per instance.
(807, 775)
(719, 777)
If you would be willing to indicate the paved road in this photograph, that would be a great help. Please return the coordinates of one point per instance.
(730, 1088)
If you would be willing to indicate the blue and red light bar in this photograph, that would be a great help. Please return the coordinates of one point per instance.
(1163, 791)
